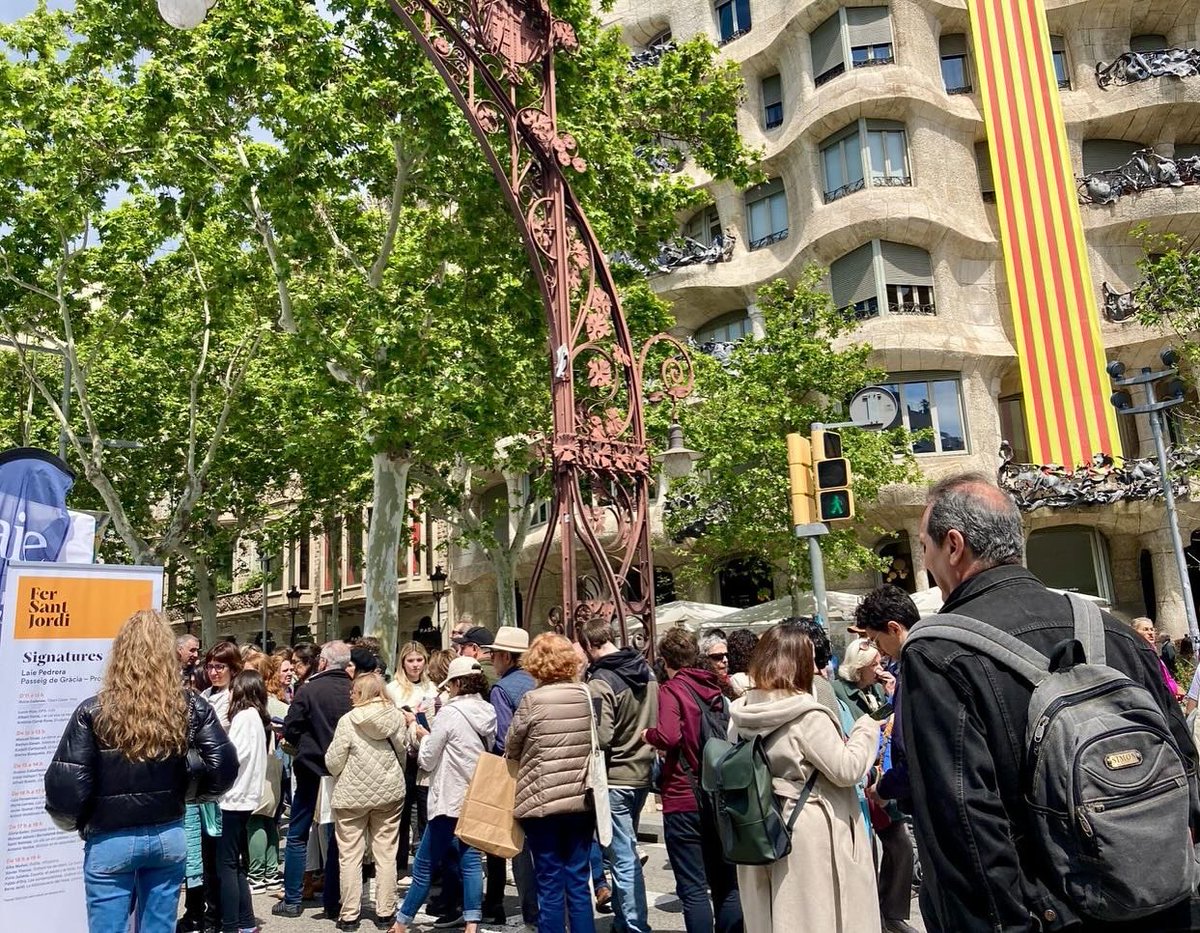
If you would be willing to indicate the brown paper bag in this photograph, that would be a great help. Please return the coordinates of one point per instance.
(486, 822)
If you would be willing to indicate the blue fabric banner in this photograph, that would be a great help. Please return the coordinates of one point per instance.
(34, 523)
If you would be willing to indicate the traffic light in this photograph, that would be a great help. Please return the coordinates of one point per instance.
(800, 480)
(834, 498)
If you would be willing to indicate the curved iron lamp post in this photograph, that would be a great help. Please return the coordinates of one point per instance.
(497, 59)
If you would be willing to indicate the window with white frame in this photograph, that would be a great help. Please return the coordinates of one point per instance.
(932, 406)
(847, 161)
(733, 19)
(884, 276)
(1071, 557)
(956, 68)
(772, 98)
(767, 213)
(705, 226)
(861, 36)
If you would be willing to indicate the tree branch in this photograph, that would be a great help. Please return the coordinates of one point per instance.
(347, 253)
(404, 165)
(287, 319)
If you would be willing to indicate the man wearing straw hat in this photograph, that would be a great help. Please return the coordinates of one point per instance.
(512, 684)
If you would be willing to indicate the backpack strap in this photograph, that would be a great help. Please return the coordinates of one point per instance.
(1032, 666)
(802, 799)
(1089, 627)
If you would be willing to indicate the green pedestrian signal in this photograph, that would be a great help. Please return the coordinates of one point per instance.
(836, 505)
(835, 500)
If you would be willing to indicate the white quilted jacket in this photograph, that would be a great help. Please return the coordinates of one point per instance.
(367, 767)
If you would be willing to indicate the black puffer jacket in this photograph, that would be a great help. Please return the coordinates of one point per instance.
(94, 789)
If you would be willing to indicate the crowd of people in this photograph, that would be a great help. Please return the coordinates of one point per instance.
(897, 767)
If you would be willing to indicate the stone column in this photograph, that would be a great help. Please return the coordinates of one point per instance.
(1169, 614)
(758, 324)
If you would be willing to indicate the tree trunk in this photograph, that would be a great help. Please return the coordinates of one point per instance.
(796, 591)
(206, 598)
(503, 561)
(387, 541)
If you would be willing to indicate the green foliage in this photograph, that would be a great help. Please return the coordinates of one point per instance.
(796, 375)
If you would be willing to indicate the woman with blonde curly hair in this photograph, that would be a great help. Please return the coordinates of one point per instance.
(121, 773)
(551, 736)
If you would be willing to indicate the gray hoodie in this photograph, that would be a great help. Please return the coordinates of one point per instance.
(366, 757)
(462, 731)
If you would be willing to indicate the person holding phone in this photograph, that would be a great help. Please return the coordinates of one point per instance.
(827, 881)
(862, 683)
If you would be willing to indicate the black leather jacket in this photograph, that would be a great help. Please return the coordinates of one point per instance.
(964, 735)
(94, 789)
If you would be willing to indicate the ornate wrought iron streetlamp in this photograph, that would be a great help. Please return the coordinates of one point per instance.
(497, 59)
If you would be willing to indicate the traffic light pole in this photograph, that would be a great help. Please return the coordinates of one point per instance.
(816, 567)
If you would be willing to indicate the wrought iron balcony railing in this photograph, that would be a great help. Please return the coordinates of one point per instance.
(1141, 66)
(961, 89)
(682, 251)
(1145, 171)
(769, 239)
(650, 56)
(926, 308)
(1118, 306)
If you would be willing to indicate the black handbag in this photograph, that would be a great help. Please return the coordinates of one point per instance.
(196, 767)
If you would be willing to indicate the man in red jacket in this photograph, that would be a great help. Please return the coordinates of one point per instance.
(690, 831)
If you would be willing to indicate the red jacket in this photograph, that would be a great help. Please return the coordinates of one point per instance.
(678, 732)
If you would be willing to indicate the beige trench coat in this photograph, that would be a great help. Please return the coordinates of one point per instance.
(827, 883)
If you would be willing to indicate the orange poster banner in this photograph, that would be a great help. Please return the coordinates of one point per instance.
(60, 607)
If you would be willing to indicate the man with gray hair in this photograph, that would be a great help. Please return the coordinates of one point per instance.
(965, 719)
(319, 703)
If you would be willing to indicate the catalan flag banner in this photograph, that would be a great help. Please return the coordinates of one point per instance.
(1055, 313)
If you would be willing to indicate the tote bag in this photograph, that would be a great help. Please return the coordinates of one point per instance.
(486, 822)
(272, 783)
(597, 780)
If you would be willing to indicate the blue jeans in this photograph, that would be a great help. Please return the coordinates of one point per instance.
(561, 846)
(599, 879)
(139, 869)
(630, 912)
(304, 808)
(436, 842)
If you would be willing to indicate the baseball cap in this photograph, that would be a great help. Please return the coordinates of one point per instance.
(461, 667)
(474, 636)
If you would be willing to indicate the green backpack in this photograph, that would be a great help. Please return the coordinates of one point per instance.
(737, 781)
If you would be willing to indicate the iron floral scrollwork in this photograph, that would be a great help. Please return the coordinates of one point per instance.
(1129, 67)
(1144, 171)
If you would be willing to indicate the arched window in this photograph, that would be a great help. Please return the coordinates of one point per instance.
(746, 582)
(899, 571)
(1071, 557)
(1104, 155)
(1149, 42)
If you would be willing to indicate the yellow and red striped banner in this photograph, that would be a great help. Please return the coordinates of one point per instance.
(1055, 314)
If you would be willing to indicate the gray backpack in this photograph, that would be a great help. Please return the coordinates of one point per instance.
(1106, 784)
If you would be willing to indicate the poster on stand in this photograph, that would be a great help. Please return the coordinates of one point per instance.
(56, 629)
